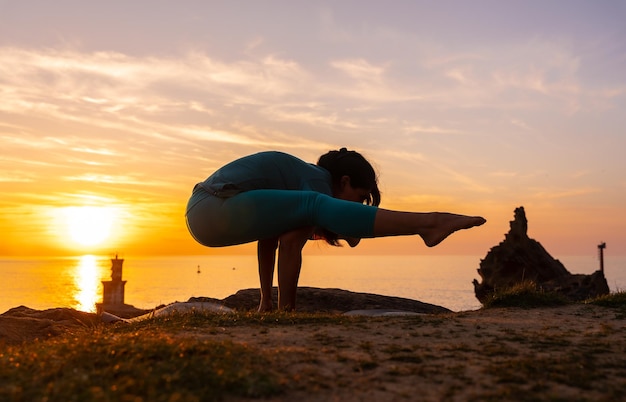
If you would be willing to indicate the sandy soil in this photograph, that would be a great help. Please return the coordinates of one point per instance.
(575, 352)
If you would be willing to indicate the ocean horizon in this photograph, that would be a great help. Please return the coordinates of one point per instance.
(76, 282)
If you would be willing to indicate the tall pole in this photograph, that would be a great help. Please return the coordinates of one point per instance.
(601, 248)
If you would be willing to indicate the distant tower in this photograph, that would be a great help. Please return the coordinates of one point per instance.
(113, 290)
(601, 248)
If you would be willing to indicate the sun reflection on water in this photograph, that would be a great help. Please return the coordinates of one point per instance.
(86, 281)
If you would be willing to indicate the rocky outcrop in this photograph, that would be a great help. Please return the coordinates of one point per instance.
(312, 299)
(520, 259)
(22, 324)
(121, 310)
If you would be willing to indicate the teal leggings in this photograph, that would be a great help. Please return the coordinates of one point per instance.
(261, 214)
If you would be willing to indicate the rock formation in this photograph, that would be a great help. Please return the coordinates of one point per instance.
(519, 258)
(23, 324)
(312, 299)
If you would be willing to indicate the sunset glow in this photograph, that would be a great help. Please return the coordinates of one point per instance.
(88, 225)
(86, 281)
(108, 116)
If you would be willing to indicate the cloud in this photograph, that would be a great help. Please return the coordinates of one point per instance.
(554, 194)
(320, 117)
(115, 90)
(109, 112)
(16, 177)
(417, 128)
(521, 124)
(461, 74)
(145, 96)
(114, 179)
(101, 151)
(504, 174)
(360, 69)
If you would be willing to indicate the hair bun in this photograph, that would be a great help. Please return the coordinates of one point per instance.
(343, 150)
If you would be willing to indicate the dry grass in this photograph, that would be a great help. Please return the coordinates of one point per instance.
(571, 352)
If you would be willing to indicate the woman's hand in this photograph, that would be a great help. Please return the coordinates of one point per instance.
(352, 241)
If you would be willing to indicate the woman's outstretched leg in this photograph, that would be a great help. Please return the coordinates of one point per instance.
(261, 214)
(432, 227)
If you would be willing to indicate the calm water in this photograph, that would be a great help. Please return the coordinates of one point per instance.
(76, 282)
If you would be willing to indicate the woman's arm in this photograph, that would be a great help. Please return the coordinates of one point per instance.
(289, 264)
(266, 255)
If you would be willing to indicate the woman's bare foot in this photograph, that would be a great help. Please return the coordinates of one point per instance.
(446, 224)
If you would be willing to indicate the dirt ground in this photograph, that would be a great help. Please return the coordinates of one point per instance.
(572, 352)
(575, 352)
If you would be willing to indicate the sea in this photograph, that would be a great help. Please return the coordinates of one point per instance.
(76, 282)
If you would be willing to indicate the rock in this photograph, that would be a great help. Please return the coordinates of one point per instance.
(331, 301)
(121, 310)
(520, 259)
(579, 286)
(23, 324)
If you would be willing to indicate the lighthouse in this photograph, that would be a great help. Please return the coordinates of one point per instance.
(113, 290)
(113, 294)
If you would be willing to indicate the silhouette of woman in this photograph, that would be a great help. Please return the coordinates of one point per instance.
(282, 202)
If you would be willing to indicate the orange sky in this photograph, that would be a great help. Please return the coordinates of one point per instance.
(463, 109)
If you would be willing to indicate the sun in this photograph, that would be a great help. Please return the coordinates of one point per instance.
(89, 225)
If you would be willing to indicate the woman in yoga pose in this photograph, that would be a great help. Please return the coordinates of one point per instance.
(282, 202)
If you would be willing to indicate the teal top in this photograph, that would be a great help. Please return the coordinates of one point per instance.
(265, 195)
(269, 170)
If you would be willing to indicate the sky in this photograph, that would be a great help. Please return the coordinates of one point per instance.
(110, 112)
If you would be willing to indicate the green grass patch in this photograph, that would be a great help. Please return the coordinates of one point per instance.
(140, 365)
(151, 360)
(142, 361)
(524, 295)
(190, 320)
(616, 300)
(575, 370)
